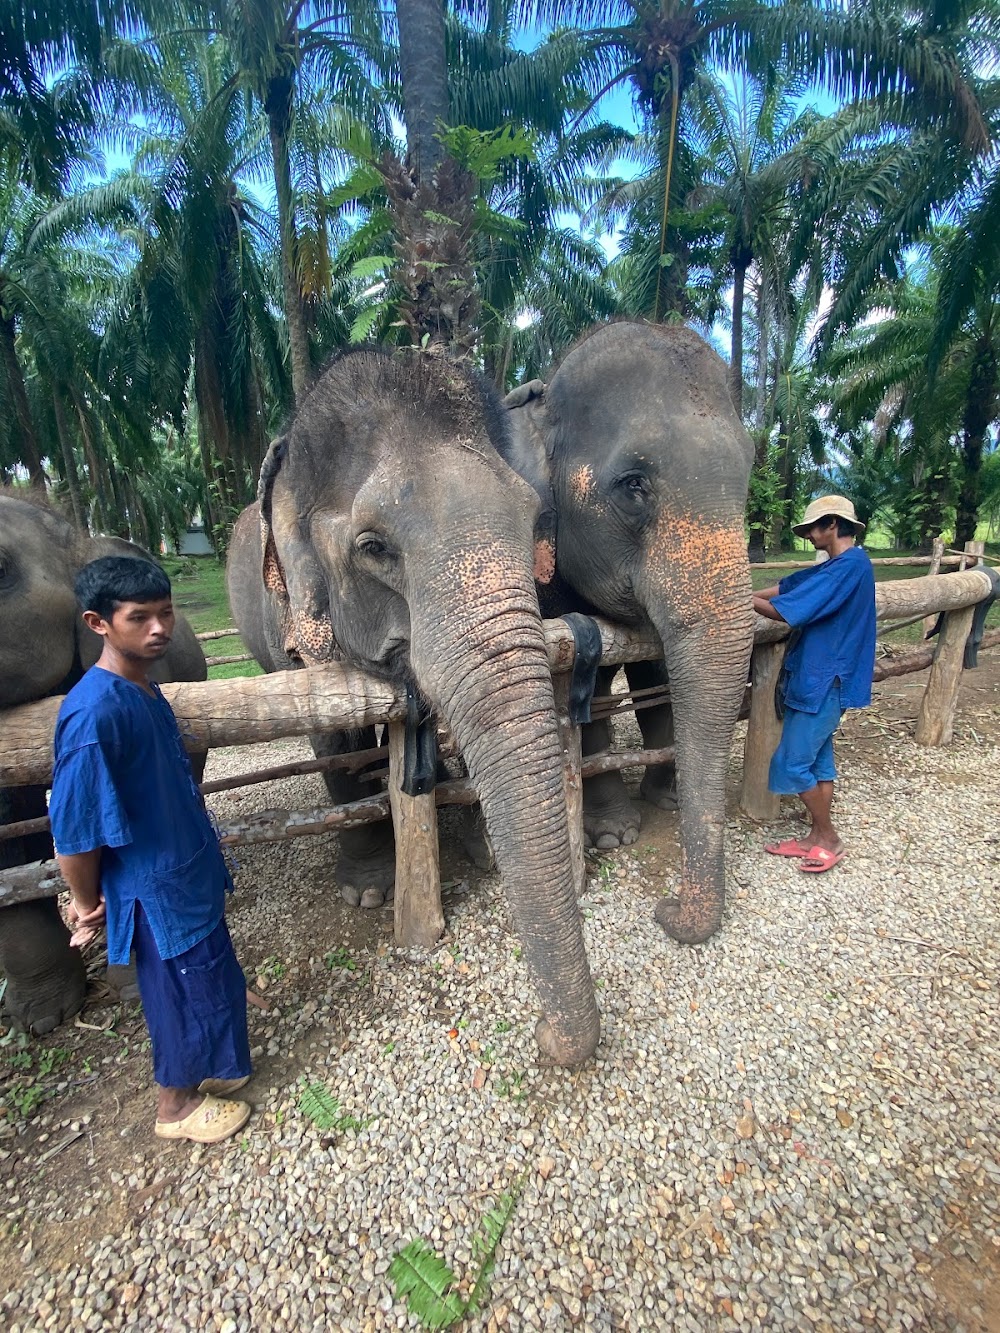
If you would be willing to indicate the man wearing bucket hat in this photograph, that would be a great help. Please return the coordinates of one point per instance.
(828, 668)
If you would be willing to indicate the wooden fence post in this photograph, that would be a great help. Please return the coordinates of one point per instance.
(763, 732)
(936, 723)
(937, 551)
(569, 734)
(418, 916)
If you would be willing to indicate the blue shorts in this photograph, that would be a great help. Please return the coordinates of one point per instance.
(805, 752)
(195, 1007)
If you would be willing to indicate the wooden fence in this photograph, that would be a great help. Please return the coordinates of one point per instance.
(336, 697)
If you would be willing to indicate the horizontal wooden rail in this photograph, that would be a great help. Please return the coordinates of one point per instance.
(918, 560)
(41, 879)
(206, 634)
(248, 710)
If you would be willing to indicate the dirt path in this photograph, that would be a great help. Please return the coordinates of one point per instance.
(76, 1151)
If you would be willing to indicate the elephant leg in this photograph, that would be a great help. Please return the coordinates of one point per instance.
(610, 817)
(475, 839)
(366, 862)
(46, 979)
(659, 783)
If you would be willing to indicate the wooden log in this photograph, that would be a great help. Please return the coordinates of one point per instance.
(335, 696)
(571, 739)
(916, 560)
(207, 634)
(355, 760)
(763, 732)
(40, 879)
(232, 657)
(220, 712)
(936, 721)
(972, 555)
(418, 917)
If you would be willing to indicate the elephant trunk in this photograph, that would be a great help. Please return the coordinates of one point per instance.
(707, 663)
(489, 677)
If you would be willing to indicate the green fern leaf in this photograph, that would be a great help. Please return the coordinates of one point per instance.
(423, 1280)
(317, 1104)
(486, 1241)
(362, 325)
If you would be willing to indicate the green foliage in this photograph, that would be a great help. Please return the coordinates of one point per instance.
(319, 1106)
(424, 1281)
(483, 152)
(340, 957)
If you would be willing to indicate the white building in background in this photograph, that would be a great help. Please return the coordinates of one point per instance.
(194, 541)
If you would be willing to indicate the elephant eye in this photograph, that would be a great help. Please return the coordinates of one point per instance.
(371, 544)
(634, 485)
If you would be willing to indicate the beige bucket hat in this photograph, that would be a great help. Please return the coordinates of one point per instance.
(825, 507)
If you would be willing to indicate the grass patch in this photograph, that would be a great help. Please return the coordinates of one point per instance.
(199, 587)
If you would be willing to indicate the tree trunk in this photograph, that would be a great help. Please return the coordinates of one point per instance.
(25, 439)
(736, 357)
(69, 461)
(980, 410)
(424, 74)
(278, 105)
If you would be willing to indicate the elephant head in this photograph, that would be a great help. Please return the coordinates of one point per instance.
(394, 536)
(647, 464)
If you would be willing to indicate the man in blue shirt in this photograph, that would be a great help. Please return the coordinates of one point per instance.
(138, 851)
(828, 668)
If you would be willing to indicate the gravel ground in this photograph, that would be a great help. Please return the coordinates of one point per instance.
(793, 1126)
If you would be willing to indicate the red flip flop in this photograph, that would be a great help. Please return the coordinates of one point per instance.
(790, 847)
(820, 860)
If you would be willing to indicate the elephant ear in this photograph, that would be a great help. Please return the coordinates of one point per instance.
(273, 574)
(529, 455)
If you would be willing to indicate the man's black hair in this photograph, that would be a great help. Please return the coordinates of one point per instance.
(845, 528)
(104, 584)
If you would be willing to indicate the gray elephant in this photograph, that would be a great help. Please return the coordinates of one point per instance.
(391, 534)
(641, 466)
(44, 649)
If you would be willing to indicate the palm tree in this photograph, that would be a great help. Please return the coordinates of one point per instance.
(281, 49)
(916, 64)
(934, 409)
(754, 154)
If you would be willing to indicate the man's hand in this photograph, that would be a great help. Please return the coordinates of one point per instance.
(87, 923)
(762, 605)
(82, 873)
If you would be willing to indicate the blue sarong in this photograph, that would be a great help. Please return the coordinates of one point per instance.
(195, 1006)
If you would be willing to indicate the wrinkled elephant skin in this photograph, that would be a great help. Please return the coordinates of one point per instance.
(390, 533)
(642, 466)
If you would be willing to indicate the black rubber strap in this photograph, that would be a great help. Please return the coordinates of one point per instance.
(589, 648)
(971, 658)
(419, 749)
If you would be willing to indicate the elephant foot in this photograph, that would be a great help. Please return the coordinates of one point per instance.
(610, 818)
(365, 883)
(661, 792)
(26, 1013)
(609, 827)
(475, 840)
(689, 921)
(554, 1049)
